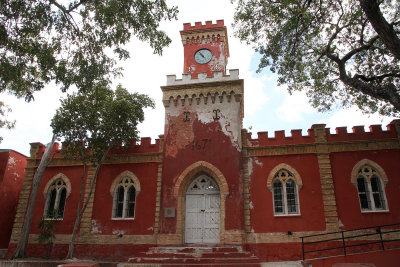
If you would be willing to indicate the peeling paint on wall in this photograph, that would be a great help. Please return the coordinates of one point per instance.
(95, 227)
(251, 205)
(118, 232)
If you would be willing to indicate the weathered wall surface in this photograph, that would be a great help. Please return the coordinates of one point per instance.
(203, 124)
(12, 169)
(66, 225)
(209, 36)
(311, 215)
(347, 195)
(145, 205)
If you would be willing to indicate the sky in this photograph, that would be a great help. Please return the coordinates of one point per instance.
(268, 107)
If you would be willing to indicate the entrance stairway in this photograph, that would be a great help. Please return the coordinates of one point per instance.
(196, 256)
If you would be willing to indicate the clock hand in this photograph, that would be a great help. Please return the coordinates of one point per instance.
(202, 55)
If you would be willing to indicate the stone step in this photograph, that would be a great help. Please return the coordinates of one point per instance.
(200, 260)
(194, 255)
(190, 249)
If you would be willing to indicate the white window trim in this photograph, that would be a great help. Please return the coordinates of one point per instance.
(382, 177)
(285, 203)
(113, 192)
(370, 196)
(46, 193)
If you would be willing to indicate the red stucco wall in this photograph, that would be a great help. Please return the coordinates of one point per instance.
(218, 151)
(12, 171)
(262, 217)
(143, 223)
(346, 193)
(66, 225)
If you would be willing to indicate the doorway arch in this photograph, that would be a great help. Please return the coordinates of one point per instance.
(202, 212)
(181, 186)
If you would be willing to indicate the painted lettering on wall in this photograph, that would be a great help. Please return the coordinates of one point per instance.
(201, 144)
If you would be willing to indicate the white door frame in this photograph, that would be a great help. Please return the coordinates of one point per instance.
(202, 214)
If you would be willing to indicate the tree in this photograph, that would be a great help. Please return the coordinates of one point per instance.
(91, 124)
(338, 52)
(46, 234)
(74, 43)
(4, 109)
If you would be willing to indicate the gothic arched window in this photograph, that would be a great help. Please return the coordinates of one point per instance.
(56, 192)
(370, 188)
(124, 190)
(285, 193)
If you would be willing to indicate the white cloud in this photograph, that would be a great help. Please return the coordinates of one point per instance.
(293, 107)
(353, 117)
(254, 96)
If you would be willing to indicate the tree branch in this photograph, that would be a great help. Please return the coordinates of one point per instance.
(387, 92)
(376, 78)
(76, 6)
(381, 26)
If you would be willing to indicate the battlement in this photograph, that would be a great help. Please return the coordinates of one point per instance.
(207, 33)
(359, 133)
(200, 26)
(202, 78)
(221, 88)
(341, 135)
(145, 146)
(280, 138)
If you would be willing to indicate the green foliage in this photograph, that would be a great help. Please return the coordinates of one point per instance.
(72, 42)
(327, 49)
(93, 122)
(46, 235)
(4, 109)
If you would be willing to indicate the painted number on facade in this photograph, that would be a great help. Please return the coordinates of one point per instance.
(201, 144)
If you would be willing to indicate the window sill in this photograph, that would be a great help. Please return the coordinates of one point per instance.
(286, 215)
(53, 219)
(374, 211)
(122, 219)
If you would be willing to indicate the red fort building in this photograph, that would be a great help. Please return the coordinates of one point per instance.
(206, 192)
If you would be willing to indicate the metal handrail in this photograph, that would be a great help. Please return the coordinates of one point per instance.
(378, 231)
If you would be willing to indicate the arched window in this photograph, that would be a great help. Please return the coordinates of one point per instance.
(124, 191)
(370, 189)
(285, 182)
(56, 192)
(285, 193)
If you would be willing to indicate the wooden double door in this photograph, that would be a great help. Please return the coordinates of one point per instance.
(202, 216)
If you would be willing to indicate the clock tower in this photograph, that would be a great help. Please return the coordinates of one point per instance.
(205, 48)
(201, 182)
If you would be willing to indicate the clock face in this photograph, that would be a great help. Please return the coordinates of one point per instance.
(203, 56)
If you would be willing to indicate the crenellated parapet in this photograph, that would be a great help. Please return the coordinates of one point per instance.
(205, 33)
(280, 138)
(358, 133)
(144, 146)
(314, 135)
(203, 89)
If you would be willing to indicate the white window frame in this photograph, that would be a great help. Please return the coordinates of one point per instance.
(121, 179)
(53, 184)
(370, 194)
(292, 174)
(285, 200)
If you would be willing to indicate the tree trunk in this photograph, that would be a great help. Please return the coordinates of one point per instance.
(80, 212)
(20, 251)
(78, 215)
(381, 26)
